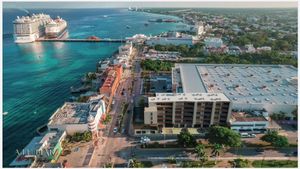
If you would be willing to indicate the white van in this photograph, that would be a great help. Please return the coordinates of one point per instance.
(244, 135)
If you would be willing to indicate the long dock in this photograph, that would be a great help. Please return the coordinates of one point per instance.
(82, 40)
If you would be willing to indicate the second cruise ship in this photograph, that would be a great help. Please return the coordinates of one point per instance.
(56, 28)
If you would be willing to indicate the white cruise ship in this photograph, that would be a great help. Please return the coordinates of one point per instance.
(56, 28)
(29, 28)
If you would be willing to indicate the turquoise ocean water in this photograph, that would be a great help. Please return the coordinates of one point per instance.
(37, 76)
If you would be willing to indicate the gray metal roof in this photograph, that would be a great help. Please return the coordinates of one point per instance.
(268, 84)
(191, 80)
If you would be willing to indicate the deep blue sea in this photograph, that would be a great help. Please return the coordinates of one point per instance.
(37, 76)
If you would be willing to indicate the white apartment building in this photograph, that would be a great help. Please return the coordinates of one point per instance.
(199, 110)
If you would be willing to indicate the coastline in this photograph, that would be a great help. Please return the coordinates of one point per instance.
(49, 64)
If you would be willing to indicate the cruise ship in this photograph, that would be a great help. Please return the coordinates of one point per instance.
(56, 28)
(28, 28)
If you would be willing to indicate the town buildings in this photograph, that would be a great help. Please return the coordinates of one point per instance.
(124, 55)
(111, 83)
(112, 80)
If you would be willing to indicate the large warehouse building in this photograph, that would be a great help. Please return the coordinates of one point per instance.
(249, 87)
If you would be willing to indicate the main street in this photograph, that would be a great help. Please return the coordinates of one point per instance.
(117, 148)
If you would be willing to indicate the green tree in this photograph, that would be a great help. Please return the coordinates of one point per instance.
(216, 150)
(201, 154)
(240, 163)
(134, 163)
(185, 139)
(200, 150)
(275, 139)
(223, 136)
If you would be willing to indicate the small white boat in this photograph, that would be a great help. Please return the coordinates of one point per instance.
(105, 16)
(5, 113)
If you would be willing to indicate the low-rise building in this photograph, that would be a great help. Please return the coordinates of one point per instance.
(250, 48)
(247, 122)
(72, 117)
(114, 75)
(264, 49)
(162, 55)
(124, 55)
(45, 148)
(103, 64)
(126, 49)
(213, 42)
(234, 50)
(172, 38)
(111, 83)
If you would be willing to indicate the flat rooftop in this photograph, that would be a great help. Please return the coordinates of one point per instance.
(71, 113)
(246, 117)
(255, 84)
(192, 97)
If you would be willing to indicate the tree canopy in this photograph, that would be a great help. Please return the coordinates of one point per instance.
(156, 65)
(240, 163)
(194, 51)
(275, 139)
(223, 136)
(272, 57)
(186, 139)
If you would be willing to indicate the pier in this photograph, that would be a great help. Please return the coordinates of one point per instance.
(82, 40)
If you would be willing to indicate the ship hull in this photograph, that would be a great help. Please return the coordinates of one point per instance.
(53, 35)
(25, 39)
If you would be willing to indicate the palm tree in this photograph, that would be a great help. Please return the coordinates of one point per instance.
(201, 154)
(200, 150)
(216, 150)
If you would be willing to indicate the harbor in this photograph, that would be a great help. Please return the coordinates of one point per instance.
(67, 60)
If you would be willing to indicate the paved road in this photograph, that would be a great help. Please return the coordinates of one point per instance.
(117, 148)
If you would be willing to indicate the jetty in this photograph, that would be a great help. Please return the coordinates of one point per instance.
(82, 40)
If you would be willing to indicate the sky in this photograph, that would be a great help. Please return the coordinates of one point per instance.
(153, 4)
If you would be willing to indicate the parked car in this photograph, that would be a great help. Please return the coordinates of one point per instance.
(244, 135)
(252, 135)
(144, 139)
(247, 135)
(115, 130)
(295, 153)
